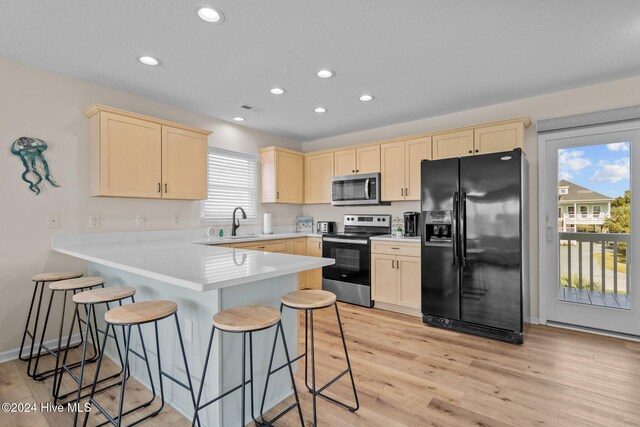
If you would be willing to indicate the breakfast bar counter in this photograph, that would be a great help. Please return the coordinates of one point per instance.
(202, 279)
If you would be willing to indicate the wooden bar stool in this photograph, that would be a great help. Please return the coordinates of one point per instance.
(246, 320)
(89, 299)
(309, 301)
(64, 287)
(40, 280)
(137, 314)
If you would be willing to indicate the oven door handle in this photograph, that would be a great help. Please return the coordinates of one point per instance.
(354, 241)
(367, 184)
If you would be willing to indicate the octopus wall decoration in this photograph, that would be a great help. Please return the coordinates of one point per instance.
(31, 152)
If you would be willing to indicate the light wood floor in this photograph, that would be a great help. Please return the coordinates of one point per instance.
(409, 374)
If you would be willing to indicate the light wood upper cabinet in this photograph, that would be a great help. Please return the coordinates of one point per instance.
(400, 166)
(502, 137)
(357, 160)
(392, 166)
(318, 170)
(416, 150)
(345, 162)
(182, 174)
(368, 159)
(131, 155)
(282, 175)
(453, 144)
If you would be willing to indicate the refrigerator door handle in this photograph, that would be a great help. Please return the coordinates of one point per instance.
(454, 229)
(463, 229)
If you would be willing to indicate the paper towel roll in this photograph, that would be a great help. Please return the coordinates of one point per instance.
(266, 223)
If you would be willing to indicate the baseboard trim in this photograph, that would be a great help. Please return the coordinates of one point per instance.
(12, 354)
(534, 320)
(627, 337)
(416, 312)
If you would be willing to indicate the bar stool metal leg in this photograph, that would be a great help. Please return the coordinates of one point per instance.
(263, 421)
(35, 326)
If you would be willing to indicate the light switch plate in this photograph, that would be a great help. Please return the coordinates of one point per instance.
(175, 219)
(188, 330)
(141, 220)
(54, 221)
(94, 221)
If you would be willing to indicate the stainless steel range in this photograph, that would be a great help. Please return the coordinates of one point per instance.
(350, 277)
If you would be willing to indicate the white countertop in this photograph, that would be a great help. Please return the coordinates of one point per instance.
(254, 238)
(184, 260)
(392, 238)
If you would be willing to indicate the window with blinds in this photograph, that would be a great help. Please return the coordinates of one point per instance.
(232, 182)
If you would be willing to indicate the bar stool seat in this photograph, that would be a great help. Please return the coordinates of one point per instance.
(246, 319)
(308, 299)
(140, 312)
(104, 295)
(55, 276)
(75, 284)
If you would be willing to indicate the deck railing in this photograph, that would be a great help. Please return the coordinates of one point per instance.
(584, 219)
(607, 245)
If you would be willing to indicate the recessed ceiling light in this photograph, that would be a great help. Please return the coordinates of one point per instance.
(210, 15)
(239, 119)
(278, 91)
(320, 110)
(366, 98)
(148, 60)
(325, 74)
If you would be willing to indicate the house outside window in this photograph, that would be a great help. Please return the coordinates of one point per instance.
(584, 210)
(571, 210)
(597, 209)
(233, 182)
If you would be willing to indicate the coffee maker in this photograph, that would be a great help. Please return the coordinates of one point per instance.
(411, 224)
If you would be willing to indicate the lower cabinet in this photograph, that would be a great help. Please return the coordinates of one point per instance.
(395, 279)
(313, 278)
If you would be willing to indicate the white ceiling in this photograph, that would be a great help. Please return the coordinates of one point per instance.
(419, 58)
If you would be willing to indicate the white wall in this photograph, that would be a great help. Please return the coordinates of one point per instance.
(615, 94)
(40, 104)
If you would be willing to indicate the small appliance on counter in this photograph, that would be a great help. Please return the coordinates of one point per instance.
(412, 224)
(304, 224)
(326, 227)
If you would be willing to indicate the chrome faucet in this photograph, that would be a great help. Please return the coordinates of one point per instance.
(236, 224)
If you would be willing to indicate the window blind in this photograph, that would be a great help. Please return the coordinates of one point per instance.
(232, 182)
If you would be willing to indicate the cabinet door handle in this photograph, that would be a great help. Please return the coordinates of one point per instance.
(470, 152)
(353, 171)
(398, 265)
(393, 264)
(277, 195)
(402, 191)
(477, 150)
(260, 247)
(165, 187)
(159, 188)
(319, 245)
(406, 191)
(394, 248)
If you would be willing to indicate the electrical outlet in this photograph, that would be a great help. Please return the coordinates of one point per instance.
(175, 219)
(188, 330)
(94, 221)
(54, 221)
(141, 220)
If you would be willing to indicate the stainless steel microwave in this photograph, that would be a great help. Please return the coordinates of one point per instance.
(355, 190)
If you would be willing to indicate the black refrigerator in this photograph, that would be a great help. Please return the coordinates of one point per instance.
(474, 226)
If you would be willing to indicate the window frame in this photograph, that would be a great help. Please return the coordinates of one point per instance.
(254, 158)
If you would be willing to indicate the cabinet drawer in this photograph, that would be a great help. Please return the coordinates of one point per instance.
(395, 248)
(265, 245)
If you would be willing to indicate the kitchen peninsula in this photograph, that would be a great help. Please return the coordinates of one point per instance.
(203, 279)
